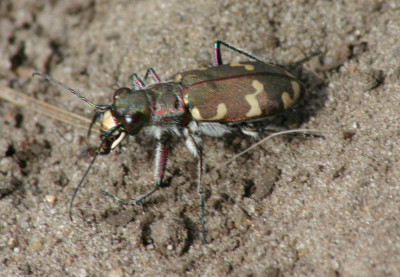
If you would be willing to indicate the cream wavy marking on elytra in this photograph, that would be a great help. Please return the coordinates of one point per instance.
(221, 113)
(287, 100)
(255, 109)
(248, 67)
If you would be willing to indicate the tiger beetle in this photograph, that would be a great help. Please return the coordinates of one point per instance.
(211, 101)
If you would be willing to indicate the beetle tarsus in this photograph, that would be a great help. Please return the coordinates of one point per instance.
(141, 198)
(116, 198)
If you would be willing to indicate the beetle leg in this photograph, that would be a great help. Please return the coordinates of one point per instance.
(153, 75)
(250, 133)
(200, 169)
(193, 143)
(159, 170)
(136, 81)
(218, 56)
(217, 53)
(160, 162)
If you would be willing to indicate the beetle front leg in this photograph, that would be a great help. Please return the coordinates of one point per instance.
(159, 170)
(160, 163)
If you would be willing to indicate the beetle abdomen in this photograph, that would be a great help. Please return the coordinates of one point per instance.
(239, 91)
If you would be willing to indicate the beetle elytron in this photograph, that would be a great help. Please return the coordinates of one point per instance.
(209, 101)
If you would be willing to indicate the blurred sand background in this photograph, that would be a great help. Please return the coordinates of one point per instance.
(292, 207)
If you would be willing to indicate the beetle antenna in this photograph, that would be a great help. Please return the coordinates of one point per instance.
(96, 153)
(51, 79)
(81, 182)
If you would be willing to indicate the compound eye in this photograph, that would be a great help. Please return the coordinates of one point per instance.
(132, 123)
(128, 119)
(131, 120)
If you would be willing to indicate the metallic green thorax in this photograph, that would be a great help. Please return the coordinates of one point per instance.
(168, 105)
(238, 91)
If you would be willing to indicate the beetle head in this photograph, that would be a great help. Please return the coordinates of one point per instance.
(128, 114)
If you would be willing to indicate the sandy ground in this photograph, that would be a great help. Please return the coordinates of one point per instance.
(292, 207)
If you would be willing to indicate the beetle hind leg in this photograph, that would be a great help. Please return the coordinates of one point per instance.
(218, 56)
(250, 133)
